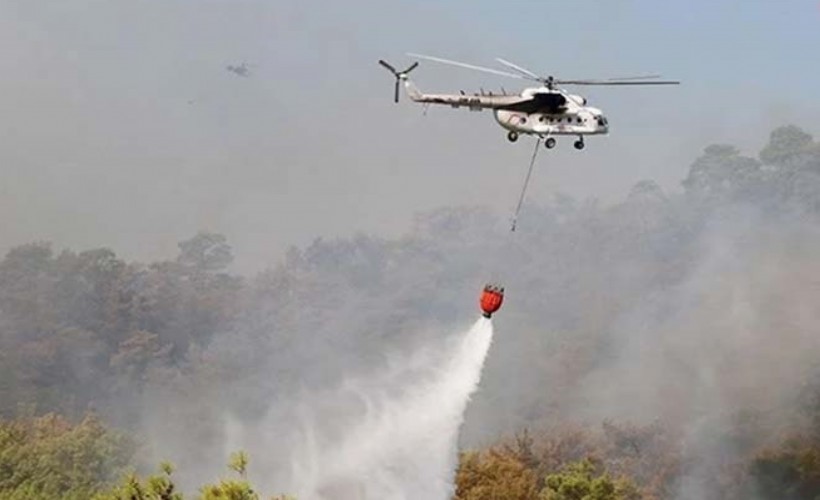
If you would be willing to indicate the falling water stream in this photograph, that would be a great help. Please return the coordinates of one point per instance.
(405, 444)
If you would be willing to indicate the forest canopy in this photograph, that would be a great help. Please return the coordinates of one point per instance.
(668, 339)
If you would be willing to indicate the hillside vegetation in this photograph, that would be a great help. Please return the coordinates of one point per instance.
(661, 347)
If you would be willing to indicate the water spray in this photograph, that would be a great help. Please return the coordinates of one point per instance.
(404, 445)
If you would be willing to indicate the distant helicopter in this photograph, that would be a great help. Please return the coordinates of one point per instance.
(242, 70)
(544, 111)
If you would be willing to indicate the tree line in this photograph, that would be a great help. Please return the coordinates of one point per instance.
(714, 281)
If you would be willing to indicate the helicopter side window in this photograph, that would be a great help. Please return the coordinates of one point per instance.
(580, 120)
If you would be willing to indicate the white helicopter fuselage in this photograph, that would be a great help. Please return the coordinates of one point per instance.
(572, 117)
(535, 111)
(584, 121)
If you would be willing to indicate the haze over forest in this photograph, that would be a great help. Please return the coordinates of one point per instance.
(694, 312)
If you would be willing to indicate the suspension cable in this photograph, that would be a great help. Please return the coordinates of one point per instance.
(526, 184)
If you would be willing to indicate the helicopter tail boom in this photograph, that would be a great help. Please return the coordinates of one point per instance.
(413, 92)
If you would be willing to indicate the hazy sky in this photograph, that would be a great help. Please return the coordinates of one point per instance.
(120, 126)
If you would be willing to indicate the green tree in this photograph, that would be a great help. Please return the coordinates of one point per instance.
(26, 275)
(584, 481)
(232, 489)
(159, 486)
(239, 463)
(720, 171)
(205, 252)
(784, 143)
(49, 457)
(788, 472)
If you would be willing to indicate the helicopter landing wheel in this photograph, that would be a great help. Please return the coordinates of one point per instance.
(549, 143)
(579, 144)
(512, 136)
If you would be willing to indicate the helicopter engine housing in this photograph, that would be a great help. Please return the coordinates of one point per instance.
(578, 99)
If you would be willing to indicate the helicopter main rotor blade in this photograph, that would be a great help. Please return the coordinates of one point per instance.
(396, 93)
(616, 82)
(469, 66)
(625, 78)
(518, 68)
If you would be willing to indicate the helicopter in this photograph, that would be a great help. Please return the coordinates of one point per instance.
(243, 70)
(545, 111)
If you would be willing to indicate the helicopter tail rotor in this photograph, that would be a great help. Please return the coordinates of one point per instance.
(400, 76)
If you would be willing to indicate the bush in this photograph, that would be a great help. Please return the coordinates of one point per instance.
(49, 457)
